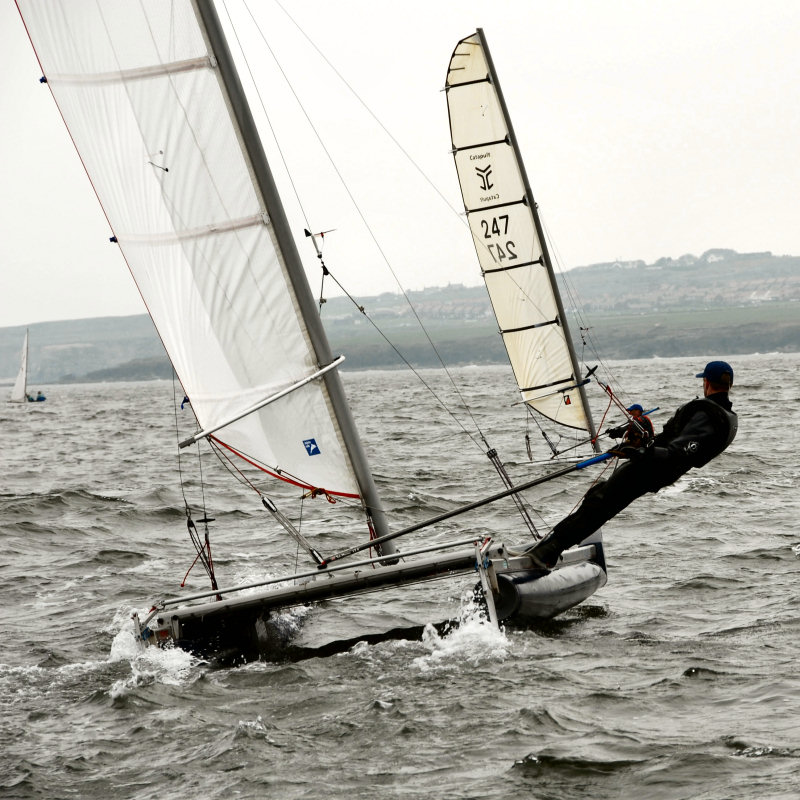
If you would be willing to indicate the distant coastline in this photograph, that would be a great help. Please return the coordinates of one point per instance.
(720, 302)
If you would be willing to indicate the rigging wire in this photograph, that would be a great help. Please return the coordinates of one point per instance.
(369, 111)
(203, 549)
(416, 372)
(325, 271)
(357, 207)
(507, 276)
(585, 328)
(459, 214)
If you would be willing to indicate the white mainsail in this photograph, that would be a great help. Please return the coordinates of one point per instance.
(19, 392)
(509, 240)
(139, 88)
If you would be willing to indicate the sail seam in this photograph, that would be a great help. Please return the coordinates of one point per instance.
(140, 73)
(194, 233)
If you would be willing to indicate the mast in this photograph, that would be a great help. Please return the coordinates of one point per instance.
(265, 186)
(540, 233)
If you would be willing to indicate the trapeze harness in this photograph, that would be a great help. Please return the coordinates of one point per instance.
(725, 425)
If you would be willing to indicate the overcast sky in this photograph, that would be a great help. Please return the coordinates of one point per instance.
(648, 129)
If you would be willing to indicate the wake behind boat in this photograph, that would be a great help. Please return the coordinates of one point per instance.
(151, 96)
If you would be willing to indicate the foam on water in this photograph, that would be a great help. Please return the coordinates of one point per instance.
(254, 729)
(474, 640)
(169, 666)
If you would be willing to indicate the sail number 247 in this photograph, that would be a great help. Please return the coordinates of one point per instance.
(494, 228)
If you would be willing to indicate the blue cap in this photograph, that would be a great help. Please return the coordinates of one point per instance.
(715, 370)
(635, 407)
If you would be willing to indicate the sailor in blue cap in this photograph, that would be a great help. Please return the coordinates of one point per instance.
(698, 432)
(717, 372)
(637, 432)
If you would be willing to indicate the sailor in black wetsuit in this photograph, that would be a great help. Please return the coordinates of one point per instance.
(699, 431)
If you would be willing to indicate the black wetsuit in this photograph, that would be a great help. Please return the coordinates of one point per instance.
(699, 431)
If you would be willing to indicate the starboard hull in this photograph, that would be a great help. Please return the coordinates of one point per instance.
(529, 596)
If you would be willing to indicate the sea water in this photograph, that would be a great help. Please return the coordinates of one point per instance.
(679, 679)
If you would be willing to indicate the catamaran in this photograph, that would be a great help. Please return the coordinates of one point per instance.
(153, 101)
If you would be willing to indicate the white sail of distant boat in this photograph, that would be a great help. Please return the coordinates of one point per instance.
(150, 94)
(509, 239)
(19, 392)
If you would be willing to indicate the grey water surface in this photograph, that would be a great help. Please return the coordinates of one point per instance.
(679, 679)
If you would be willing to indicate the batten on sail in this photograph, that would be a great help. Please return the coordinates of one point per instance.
(509, 241)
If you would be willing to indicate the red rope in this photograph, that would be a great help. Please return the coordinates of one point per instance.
(314, 489)
(605, 413)
(183, 582)
(210, 567)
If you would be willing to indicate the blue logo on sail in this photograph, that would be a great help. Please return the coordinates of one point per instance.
(311, 447)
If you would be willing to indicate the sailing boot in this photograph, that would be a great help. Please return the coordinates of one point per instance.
(546, 551)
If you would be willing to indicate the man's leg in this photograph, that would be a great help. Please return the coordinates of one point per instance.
(603, 501)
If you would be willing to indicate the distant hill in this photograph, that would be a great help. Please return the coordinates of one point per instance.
(716, 279)
(71, 349)
(720, 302)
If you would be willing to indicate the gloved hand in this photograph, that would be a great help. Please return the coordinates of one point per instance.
(618, 432)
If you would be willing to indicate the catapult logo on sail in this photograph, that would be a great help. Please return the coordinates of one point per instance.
(484, 175)
(311, 446)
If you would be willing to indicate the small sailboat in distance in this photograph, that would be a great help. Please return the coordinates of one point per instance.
(19, 391)
(204, 232)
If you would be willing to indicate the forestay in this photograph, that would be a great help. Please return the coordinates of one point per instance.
(509, 240)
(141, 96)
